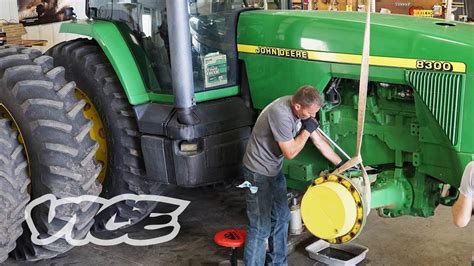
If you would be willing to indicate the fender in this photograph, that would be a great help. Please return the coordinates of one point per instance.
(120, 46)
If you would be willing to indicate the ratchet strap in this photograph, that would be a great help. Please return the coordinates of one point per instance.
(364, 81)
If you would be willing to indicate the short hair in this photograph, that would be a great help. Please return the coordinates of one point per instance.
(306, 96)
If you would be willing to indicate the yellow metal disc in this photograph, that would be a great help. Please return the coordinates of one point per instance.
(329, 210)
(333, 209)
(97, 132)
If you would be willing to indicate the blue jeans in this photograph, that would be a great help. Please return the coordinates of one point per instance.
(268, 215)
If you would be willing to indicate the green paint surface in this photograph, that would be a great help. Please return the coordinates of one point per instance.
(418, 127)
(112, 42)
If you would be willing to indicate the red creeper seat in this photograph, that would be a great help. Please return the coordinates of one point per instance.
(231, 238)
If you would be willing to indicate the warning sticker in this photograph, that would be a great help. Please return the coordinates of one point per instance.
(215, 70)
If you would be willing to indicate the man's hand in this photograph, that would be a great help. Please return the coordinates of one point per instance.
(310, 124)
(350, 169)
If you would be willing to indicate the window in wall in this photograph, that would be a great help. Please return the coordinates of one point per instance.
(147, 24)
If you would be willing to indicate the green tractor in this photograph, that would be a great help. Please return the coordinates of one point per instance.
(165, 93)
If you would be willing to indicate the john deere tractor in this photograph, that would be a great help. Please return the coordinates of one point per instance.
(162, 93)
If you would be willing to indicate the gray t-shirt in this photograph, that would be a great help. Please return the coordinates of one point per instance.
(276, 123)
(467, 181)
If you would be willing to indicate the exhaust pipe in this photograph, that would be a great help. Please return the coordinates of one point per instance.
(181, 60)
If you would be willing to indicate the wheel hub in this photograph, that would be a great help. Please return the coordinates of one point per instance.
(333, 209)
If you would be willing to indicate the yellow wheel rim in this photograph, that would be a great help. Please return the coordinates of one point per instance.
(332, 209)
(97, 132)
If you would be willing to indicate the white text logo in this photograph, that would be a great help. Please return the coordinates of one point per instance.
(111, 225)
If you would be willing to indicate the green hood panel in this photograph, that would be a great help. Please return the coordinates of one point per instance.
(335, 40)
(342, 32)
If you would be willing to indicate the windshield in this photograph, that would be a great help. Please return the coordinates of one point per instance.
(212, 24)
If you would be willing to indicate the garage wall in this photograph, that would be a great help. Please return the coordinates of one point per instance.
(49, 32)
(9, 10)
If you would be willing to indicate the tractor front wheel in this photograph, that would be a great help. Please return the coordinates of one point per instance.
(54, 134)
(115, 129)
(13, 188)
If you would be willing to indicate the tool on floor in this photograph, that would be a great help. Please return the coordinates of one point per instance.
(296, 224)
(337, 255)
(231, 238)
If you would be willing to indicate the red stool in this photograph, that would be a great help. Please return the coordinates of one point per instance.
(231, 238)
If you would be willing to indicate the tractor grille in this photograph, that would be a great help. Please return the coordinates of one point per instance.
(441, 92)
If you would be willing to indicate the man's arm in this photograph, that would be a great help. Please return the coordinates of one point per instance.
(323, 146)
(291, 148)
(462, 210)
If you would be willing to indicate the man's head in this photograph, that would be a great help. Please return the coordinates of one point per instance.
(306, 102)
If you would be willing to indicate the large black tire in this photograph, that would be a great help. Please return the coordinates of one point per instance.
(86, 64)
(13, 188)
(56, 137)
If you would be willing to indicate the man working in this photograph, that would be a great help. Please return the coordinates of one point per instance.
(281, 131)
(463, 208)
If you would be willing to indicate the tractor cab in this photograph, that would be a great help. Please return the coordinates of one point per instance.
(212, 26)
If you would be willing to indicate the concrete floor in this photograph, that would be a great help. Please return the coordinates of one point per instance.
(400, 241)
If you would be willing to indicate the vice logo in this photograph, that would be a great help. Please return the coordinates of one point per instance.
(66, 232)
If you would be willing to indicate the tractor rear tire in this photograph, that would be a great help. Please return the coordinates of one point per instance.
(88, 66)
(59, 150)
(13, 188)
